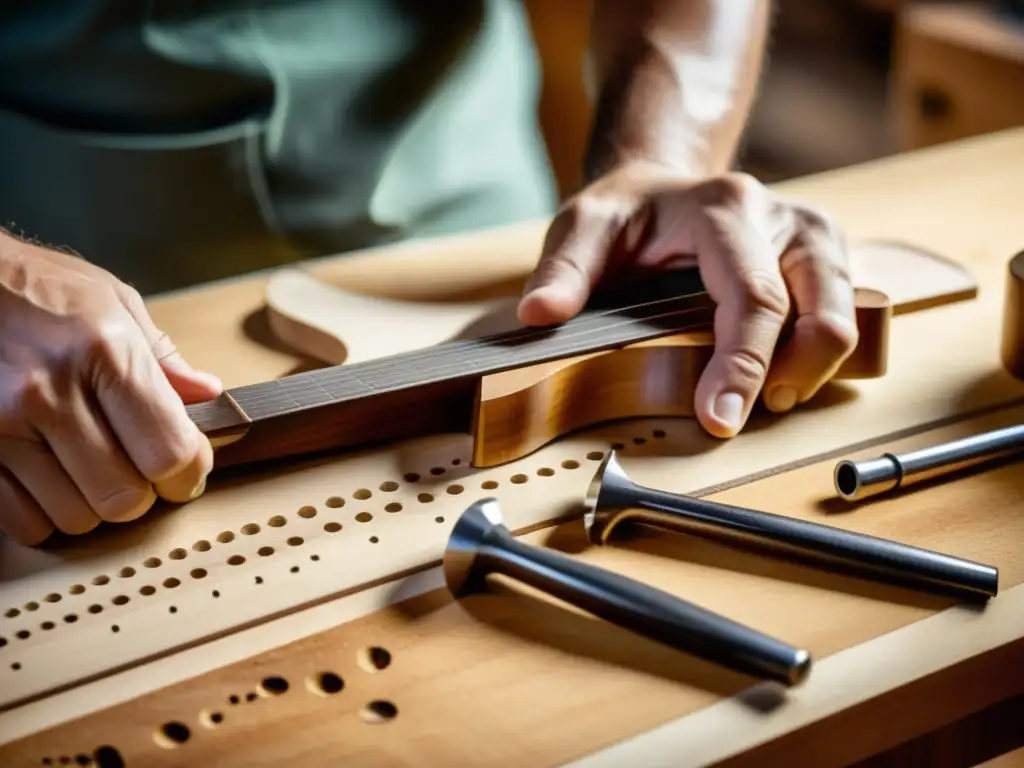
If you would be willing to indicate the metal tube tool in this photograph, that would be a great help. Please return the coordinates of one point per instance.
(613, 499)
(481, 544)
(855, 480)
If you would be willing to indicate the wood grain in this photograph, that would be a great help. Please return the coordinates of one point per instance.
(514, 661)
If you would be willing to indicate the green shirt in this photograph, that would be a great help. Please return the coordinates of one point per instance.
(179, 141)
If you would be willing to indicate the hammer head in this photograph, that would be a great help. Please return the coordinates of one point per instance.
(610, 492)
(480, 521)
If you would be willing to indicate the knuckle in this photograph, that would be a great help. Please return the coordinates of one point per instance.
(107, 344)
(169, 455)
(747, 367)
(37, 398)
(820, 223)
(728, 189)
(764, 292)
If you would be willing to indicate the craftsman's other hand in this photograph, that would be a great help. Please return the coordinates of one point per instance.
(92, 419)
(759, 254)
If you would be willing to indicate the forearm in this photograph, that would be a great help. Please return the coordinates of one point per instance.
(674, 81)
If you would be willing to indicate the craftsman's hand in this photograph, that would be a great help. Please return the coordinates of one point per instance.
(92, 419)
(759, 255)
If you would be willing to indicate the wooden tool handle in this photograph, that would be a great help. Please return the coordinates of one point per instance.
(1013, 318)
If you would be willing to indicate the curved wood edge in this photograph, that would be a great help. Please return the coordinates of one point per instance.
(1012, 343)
(521, 411)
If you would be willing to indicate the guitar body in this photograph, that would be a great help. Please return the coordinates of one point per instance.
(519, 411)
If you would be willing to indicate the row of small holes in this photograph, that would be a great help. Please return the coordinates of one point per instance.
(174, 733)
(305, 512)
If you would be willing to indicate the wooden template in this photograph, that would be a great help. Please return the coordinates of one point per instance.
(110, 636)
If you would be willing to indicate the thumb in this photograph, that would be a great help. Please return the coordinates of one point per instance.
(193, 386)
(572, 260)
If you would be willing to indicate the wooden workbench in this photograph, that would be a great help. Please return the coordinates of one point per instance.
(510, 680)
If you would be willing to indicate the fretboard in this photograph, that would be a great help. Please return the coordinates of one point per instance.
(676, 302)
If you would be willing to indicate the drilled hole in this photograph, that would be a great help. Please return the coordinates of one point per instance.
(12, 613)
(251, 697)
(545, 471)
(32, 606)
(659, 433)
(76, 589)
(16, 666)
(47, 625)
(456, 462)
(411, 477)
(294, 569)
(211, 719)
(374, 540)
(94, 608)
(233, 699)
(489, 485)
(314, 558)
(374, 658)
(197, 573)
(394, 506)
(265, 551)
(147, 590)
(23, 634)
(53, 597)
(570, 464)
(99, 581)
(177, 554)
(307, 512)
(172, 609)
(171, 583)
(325, 684)
(108, 757)
(437, 470)
(332, 527)
(170, 735)
(295, 541)
(259, 579)
(272, 686)
(83, 759)
(519, 479)
(120, 600)
(202, 546)
(115, 629)
(277, 521)
(455, 490)
(250, 529)
(639, 440)
(3, 642)
(152, 562)
(71, 618)
(215, 593)
(225, 537)
(236, 560)
(362, 494)
(335, 502)
(378, 712)
(389, 486)
(439, 519)
(425, 498)
(364, 517)
(595, 455)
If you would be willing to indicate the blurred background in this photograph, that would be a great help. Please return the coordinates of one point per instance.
(847, 81)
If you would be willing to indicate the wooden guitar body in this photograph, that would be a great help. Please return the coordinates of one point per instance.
(518, 411)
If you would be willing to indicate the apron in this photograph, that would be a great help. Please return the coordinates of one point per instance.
(175, 142)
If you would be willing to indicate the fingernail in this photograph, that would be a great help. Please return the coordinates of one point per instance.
(781, 399)
(198, 490)
(729, 409)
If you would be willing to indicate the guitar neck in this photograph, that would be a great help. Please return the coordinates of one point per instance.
(442, 378)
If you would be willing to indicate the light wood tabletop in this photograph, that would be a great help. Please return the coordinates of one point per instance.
(301, 616)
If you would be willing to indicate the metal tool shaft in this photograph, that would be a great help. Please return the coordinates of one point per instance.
(622, 601)
(855, 480)
(614, 499)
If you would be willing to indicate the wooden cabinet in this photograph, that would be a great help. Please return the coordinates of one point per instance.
(957, 71)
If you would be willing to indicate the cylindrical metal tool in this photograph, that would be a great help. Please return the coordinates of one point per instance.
(855, 480)
(613, 498)
(481, 544)
(1011, 347)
